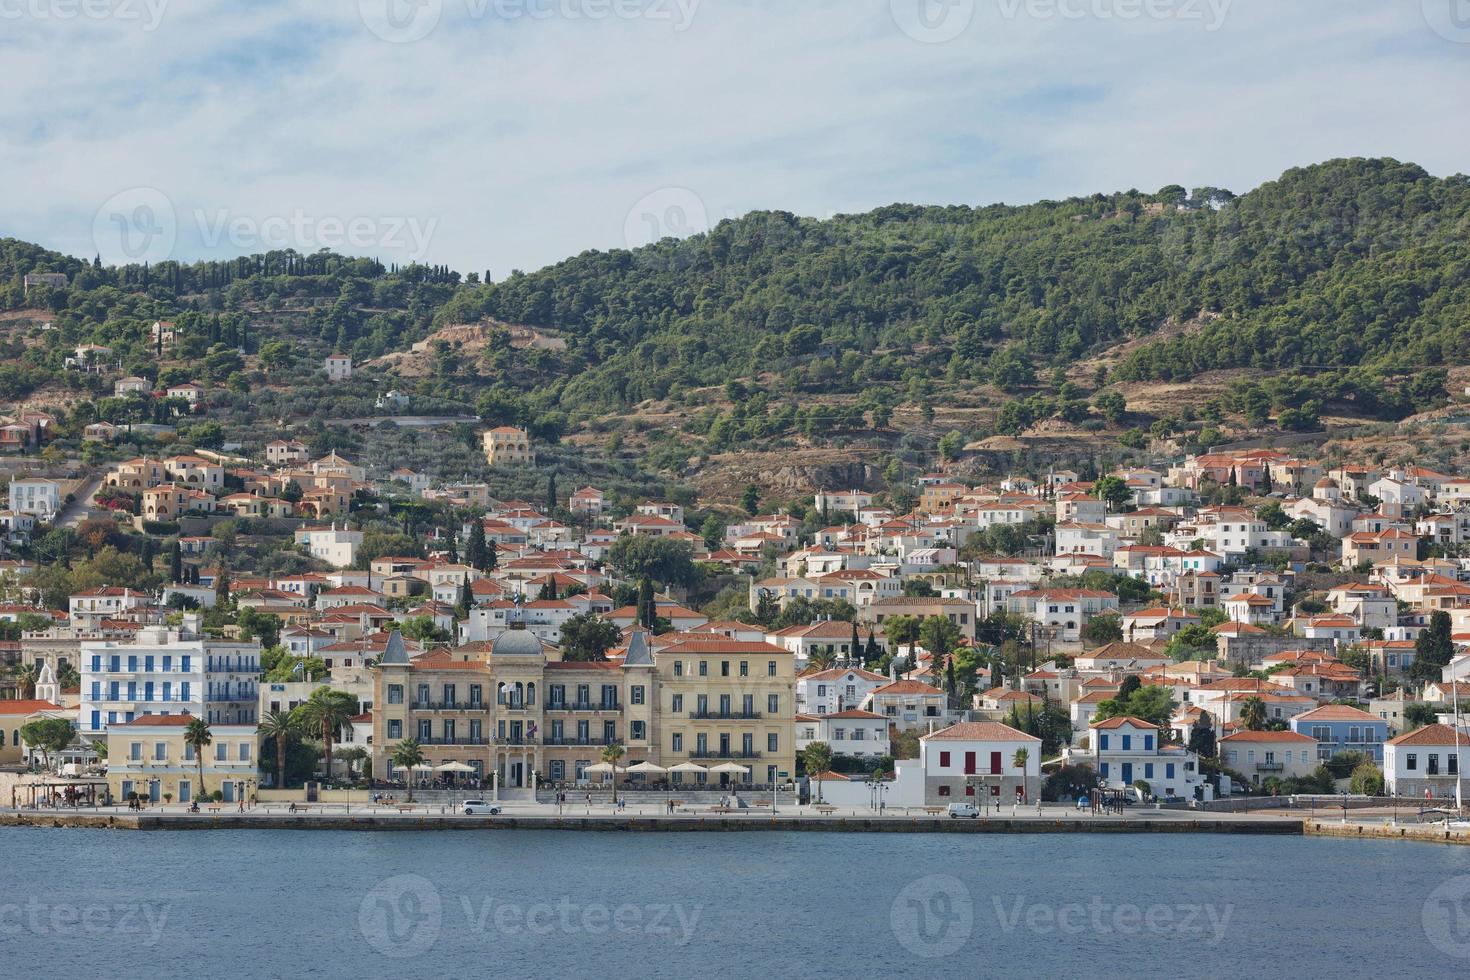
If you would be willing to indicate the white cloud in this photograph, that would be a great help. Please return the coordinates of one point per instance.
(525, 140)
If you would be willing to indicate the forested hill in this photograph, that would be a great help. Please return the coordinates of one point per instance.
(1350, 262)
(1353, 264)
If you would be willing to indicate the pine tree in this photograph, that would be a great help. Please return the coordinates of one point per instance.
(222, 588)
(175, 563)
(870, 652)
(854, 645)
(551, 494)
(451, 545)
(492, 556)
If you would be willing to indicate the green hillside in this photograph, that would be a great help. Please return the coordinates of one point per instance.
(1353, 272)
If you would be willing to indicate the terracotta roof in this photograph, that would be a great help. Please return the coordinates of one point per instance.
(1337, 712)
(1430, 735)
(1252, 736)
(979, 731)
(1118, 721)
(907, 687)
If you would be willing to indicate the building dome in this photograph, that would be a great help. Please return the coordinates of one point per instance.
(1327, 483)
(516, 642)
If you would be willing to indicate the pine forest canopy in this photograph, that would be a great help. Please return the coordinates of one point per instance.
(1359, 265)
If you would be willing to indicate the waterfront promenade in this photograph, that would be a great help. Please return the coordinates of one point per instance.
(531, 816)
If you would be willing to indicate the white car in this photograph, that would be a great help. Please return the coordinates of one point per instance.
(472, 807)
(957, 810)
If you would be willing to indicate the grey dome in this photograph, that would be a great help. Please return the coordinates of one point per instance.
(516, 643)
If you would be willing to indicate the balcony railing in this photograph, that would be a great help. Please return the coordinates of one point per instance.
(712, 715)
(450, 706)
(457, 740)
(717, 754)
(1269, 767)
(522, 740)
(583, 706)
(594, 741)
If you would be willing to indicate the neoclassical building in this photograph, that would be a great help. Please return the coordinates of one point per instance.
(512, 708)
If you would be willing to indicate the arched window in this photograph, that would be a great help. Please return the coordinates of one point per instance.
(531, 694)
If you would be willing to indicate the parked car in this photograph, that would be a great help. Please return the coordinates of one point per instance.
(472, 807)
(957, 810)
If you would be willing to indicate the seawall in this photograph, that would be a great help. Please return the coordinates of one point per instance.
(676, 824)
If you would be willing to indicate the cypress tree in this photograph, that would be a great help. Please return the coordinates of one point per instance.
(475, 551)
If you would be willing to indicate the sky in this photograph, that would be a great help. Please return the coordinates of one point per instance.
(492, 135)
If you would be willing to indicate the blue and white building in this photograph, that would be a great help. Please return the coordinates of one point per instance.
(1343, 728)
(169, 672)
(1124, 750)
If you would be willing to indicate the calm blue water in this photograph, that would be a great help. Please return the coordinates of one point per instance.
(79, 903)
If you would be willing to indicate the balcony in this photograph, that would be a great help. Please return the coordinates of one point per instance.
(449, 706)
(591, 741)
(723, 756)
(1269, 767)
(708, 715)
(583, 706)
(522, 740)
(458, 740)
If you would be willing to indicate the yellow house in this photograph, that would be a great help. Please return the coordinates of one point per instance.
(507, 446)
(13, 715)
(148, 756)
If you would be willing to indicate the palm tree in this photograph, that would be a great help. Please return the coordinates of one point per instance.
(611, 754)
(1019, 760)
(325, 712)
(281, 726)
(1253, 714)
(67, 677)
(817, 758)
(26, 677)
(197, 737)
(821, 658)
(407, 754)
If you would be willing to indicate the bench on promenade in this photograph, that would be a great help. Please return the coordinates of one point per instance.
(936, 810)
(825, 810)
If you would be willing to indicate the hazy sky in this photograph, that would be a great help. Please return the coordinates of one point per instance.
(501, 134)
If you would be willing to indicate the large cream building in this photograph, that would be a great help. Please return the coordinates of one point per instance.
(514, 708)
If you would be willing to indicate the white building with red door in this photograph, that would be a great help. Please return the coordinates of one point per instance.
(979, 761)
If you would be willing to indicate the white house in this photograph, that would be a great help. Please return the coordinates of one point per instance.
(1125, 750)
(338, 367)
(1424, 762)
(333, 545)
(827, 692)
(852, 732)
(979, 762)
(34, 495)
